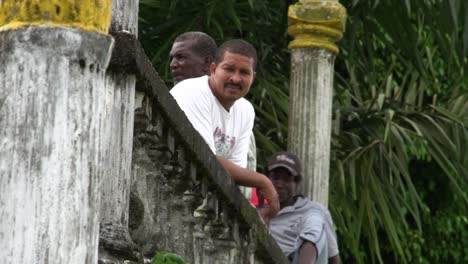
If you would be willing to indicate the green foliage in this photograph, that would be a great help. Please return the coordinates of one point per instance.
(401, 99)
(446, 240)
(443, 239)
(400, 96)
(444, 234)
(167, 258)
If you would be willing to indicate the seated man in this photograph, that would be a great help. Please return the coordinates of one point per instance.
(217, 110)
(303, 229)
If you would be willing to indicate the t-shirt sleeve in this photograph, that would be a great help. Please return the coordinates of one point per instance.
(331, 235)
(313, 230)
(196, 106)
(241, 149)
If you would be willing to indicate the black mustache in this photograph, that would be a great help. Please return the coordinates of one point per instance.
(233, 84)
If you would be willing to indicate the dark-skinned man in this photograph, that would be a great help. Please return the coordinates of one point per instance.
(216, 107)
(303, 229)
(191, 55)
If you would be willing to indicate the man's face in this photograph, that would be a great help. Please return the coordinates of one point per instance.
(231, 78)
(285, 185)
(185, 63)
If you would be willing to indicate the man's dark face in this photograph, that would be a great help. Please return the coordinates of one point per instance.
(185, 63)
(284, 184)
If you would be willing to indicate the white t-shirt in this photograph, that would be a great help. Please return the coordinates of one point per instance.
(226, 133)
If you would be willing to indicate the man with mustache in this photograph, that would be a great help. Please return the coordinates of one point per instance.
(303, 229)
(191, 56)
(216, 107)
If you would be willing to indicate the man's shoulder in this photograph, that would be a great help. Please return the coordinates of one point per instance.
(243, 105)
(191, 86)
(192, 90)
(243, 102)
(305, 204)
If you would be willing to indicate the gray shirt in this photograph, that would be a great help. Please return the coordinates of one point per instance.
(305, 220)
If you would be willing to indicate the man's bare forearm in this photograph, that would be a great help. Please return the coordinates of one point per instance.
(334, 260)
(243, 176)
(307, 253)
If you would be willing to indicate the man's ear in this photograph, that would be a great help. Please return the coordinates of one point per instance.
(208, 60)
(207, 64)
(212, 68)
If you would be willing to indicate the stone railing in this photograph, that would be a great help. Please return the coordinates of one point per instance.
(182, 200)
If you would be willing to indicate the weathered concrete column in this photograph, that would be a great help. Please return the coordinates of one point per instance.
(53, 57)
(315, 25)
(115, 244)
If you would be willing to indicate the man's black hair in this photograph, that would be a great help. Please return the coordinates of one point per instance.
(237, 46)
(202, 43)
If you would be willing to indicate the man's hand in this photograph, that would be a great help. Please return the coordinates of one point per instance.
(269, 193)
(250, 178)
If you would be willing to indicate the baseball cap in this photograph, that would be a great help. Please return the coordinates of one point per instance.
(286, 160)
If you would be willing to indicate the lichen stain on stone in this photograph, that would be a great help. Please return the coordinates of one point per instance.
(316, 24)
(90, 15)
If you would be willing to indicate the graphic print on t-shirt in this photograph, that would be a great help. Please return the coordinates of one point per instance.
(223, 143)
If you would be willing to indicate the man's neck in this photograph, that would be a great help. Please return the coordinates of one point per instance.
(290, 202)
(225, 105)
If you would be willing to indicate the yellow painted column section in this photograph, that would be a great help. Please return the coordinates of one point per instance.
(89, 15)
(316, 24)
